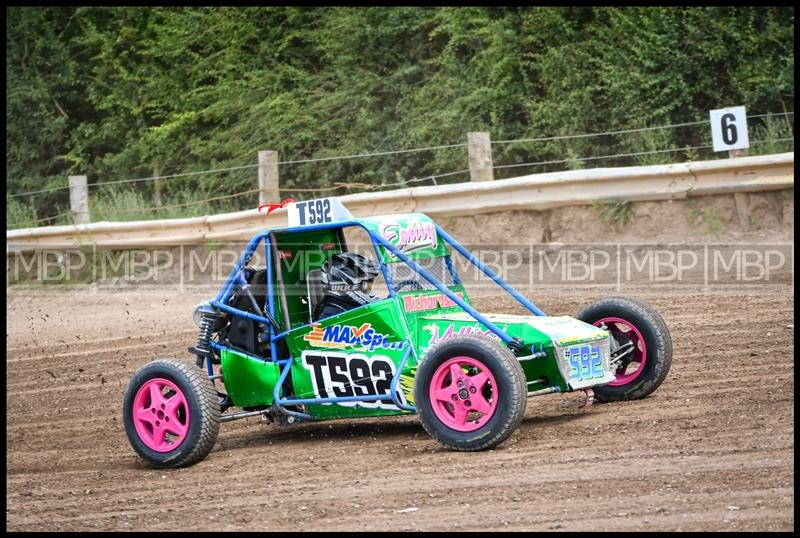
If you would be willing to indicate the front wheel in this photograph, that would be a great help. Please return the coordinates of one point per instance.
(641, 346)
(470, 393)
(171, 413)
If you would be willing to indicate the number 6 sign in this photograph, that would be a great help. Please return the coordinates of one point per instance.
(729, 128)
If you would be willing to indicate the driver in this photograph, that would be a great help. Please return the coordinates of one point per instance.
(347, 283)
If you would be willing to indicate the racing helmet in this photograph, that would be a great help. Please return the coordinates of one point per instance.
(348, 276)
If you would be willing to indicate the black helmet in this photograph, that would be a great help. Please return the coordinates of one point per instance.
(349, 276)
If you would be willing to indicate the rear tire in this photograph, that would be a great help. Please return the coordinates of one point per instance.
(470, 393)
(171, 413)
(635, 321)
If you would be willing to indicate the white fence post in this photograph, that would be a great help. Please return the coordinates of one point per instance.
(268, 189)
(79, 199)
(480, 157)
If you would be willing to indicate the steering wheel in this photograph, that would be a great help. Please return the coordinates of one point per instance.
(410, 282)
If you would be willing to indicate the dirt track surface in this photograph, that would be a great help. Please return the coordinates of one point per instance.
(711, 449)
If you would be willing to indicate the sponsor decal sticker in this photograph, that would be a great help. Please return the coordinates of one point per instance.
(585, 362)
(338, 375)
(419, 303)
(451, 332)
(348, 336)
(407, 384)
(410, 234)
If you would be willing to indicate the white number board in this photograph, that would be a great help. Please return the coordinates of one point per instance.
(729, 128)
(320, 211)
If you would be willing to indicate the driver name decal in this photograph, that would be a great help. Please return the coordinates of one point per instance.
(420, 303)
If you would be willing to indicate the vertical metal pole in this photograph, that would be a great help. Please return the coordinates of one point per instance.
(276, 260)
(270, 298)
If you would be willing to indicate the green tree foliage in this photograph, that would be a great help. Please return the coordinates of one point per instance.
(118, 93)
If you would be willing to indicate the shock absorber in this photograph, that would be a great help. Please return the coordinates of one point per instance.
(207, 318)
(206, 326)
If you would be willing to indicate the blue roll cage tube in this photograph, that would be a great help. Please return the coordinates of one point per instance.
(227, 290)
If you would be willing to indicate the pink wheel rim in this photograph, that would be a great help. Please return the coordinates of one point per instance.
(161, 415)
(632, 370)
(463, 394)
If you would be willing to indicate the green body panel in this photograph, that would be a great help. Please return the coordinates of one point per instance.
(539, 332)
(372, 336)
(248, 381)
(417, 304)
(413, 234)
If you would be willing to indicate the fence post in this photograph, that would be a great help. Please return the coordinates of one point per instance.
(79, 199)
(480, 157)
(268, 189)
(157, 185)
(741, 198)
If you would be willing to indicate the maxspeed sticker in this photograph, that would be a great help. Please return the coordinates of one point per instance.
(348, 336)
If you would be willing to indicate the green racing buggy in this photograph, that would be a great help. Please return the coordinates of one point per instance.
(422, 349)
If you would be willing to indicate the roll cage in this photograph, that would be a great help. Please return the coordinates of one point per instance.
(383, 249)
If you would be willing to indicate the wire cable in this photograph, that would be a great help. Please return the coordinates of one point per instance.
(628, 154)
(370, 186)
(391, 152)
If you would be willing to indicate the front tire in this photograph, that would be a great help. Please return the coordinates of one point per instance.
(470, 393)
(632, 321)
(171, 413)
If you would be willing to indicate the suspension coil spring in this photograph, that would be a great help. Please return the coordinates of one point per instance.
(206, 329)
(515, 345)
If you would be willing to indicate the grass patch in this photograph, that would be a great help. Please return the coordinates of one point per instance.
(709, 216)
(573, 163)
(694, 212)
(713, 221)
(20, 214)
(120, 204)
(109, 204)
(774, 127)
(614, 213)
(213, 245)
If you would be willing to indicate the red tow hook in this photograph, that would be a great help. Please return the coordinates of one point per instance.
(589, 393)
(273, 207)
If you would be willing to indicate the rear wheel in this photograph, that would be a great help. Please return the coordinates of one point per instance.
(470, 393)
(171, 413)
(641, 342)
